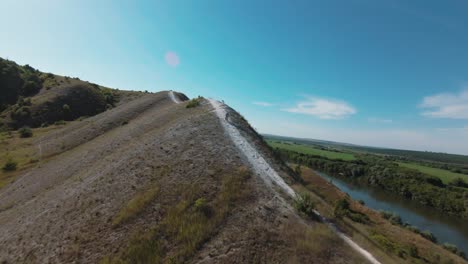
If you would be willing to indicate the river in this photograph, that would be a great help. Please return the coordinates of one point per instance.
(446, 228)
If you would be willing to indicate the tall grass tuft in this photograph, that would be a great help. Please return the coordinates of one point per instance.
(135, 206)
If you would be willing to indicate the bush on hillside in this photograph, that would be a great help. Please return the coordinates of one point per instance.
(459, 182)
(21, 113)
(10, 165)
(454, 249)
(30, 88)
(341, 208)
(304, 204)
(25, 132)
(194, 102)
(413, 251)
(429, 236)
(392, 217)
(66, 108)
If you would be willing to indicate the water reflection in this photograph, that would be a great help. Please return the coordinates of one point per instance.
(446, 228)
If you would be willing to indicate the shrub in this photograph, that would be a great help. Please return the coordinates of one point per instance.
(454, 249)
(194, 102)
(21, 113)
(429, 236)
(25, 132)
(413, 251)
(358, 217)
(66, 108)
(10, 165)
(413, 229)
(304, 204)
(341, 208)
(459, 182)
(202, 206)
(298, 170)
(30, 87)
(392, 217)
(386, 243)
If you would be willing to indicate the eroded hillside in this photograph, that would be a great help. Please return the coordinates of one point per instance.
(154, 181)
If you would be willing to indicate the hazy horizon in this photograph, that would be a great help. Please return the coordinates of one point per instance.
(390, 74)
(357, 145)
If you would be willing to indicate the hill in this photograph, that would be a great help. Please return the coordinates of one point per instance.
(33, 98)
(158, 178)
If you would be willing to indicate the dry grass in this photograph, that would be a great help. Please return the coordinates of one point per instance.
(135, 206)
(319, 243)
(21, 150)
(185, 227)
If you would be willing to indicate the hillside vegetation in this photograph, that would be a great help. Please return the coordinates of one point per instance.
(33, 98)
(426, 187)
(95, 175)
(445, 175)
(311, 150)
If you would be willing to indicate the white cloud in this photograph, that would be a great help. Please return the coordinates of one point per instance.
(172, 59)
(323, 108)
(446, 105)
(379, 120)
(262, 104)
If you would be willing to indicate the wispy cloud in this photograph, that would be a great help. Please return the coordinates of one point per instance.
(446, 105)
(266, 104)
(172, 59)
(323, 108)
(379, 120)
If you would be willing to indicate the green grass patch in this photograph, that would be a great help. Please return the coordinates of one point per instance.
(310, 150)
(444, 175)
(135, 206)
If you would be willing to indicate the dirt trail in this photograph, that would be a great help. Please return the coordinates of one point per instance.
(173, 97)
(269, 175)
(256, 160)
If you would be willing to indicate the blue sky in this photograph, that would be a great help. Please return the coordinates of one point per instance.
(387, 73)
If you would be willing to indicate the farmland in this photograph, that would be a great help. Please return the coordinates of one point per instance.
(311, 150)
(445, 175)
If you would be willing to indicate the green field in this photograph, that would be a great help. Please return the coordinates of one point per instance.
(311, 150)
(445, 175)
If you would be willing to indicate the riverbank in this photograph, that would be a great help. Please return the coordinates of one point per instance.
(400, 244)
(445, 228)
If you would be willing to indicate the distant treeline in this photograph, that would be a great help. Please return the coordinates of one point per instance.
(411, 155)
(419, 155)
(376, 171)
(455, 168)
